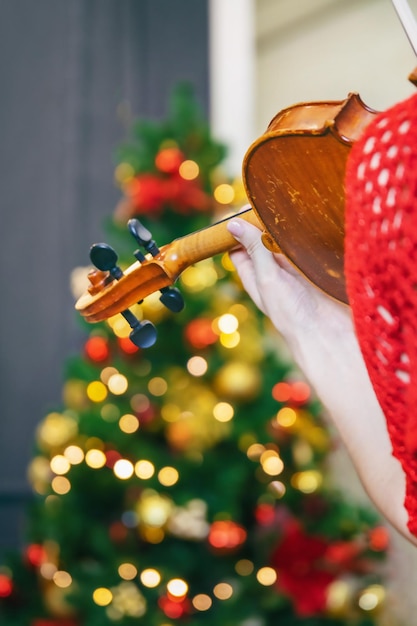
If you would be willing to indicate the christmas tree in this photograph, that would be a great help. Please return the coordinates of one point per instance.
(188, 483)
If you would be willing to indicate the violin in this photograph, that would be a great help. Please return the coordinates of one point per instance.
(293, 177)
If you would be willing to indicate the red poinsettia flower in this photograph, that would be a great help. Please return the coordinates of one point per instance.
(303, 573)
(186, 196)
(147, 193)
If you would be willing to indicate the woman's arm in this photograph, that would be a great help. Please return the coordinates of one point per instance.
(320, 335)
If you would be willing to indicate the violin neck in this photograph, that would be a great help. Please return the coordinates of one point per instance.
(204, 243)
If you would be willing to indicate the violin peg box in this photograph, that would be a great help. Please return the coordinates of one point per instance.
(98, 281)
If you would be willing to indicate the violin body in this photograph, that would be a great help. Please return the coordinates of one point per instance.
(293, 176)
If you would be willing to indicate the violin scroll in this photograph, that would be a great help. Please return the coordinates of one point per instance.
(104, 258)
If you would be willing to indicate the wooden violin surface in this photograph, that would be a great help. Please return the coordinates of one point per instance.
(293, 176)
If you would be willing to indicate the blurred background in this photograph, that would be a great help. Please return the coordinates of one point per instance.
(74, 75)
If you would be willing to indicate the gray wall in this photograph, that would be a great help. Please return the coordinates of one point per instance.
(67, 68)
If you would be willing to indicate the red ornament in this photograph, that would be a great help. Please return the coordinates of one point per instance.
(344, 554)
(379, 539)
(199, 333)
(297, 392)
(118, 532)
(6, 586)
(226, 535)
(36, 554)
(168, 160)
(265, 514)
(112, 456)
(127, 346)
(300, 392)
(174, 608)
(97, 349)
(281, 392)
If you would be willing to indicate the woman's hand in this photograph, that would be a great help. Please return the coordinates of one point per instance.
(320, 335)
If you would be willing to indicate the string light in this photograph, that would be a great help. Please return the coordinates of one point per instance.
(127, 571)
(150, 578)
(202, 602)
(117, 384)
(229, 340)
(271, 463)
(95, 458)
(144, 469)
(228, 323)
(62, 579)
(61, 485)
(106, 373)
(128, 423)
(286, 417)
(168, 476)
(244, 567)
(102, 596)
(197, 366)
(157, 386)
(266, 576)
(255, 451)
(307, 482)
(60, 464)
(189, 170)
(223, 591)
(47, 570)
(74, 454)
(154, 509)
(96, 391)
(177, 587)
(223, 412)
(123, 469)
(224, 193)
(277, 488)
(371, 597)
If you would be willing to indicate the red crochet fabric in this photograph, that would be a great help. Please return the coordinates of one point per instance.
(381, 273)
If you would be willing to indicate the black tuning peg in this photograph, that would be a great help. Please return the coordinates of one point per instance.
(170, 296)
(172, 299)
(105, 259)
(142, 236)
(143, 334)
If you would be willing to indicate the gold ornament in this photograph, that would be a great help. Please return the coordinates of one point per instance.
(56, 430)
(238, 381)
(56, 601)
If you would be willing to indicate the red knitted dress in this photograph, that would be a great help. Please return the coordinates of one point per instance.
(381, 273)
